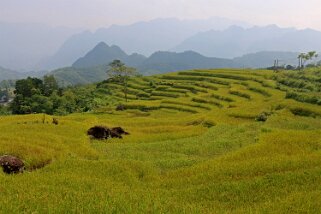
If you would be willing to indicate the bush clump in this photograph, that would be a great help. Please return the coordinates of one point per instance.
(263, 116)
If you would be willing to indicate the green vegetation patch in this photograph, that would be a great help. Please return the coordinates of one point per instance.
(303, 98)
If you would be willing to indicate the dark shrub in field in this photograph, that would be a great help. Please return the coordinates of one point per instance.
(55, 121)
(99, 132)
(103, 132)
(263, 116)
(120, 108)
(11, 164)
(116, 132)
(120, 130)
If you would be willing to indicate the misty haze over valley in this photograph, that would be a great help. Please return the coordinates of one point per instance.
(38, 47)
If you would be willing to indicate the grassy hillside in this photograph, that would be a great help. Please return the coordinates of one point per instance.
(196, 146)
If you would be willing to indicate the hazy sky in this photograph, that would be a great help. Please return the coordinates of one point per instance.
(98, 13)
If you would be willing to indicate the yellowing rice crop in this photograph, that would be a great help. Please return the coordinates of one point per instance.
(180, 157)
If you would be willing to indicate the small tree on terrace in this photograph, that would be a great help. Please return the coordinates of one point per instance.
(120, 73)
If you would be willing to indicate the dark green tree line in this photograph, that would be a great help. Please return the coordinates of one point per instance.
(33, 95)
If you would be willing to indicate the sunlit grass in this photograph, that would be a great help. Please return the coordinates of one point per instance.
(192, 148)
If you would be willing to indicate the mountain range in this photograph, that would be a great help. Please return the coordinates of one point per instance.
(26, 47)
(141, 37)
(158, 62)
(237, 41)
(164, 61)
(92, 67)
(156, 46)
(180, 36)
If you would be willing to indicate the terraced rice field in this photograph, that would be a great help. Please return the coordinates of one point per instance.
(195, 146)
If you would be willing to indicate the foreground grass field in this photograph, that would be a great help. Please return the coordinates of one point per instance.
(195, 147)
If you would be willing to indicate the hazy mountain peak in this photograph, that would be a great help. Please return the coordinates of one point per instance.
(102, 45)
(99, 55)
(237, 41)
